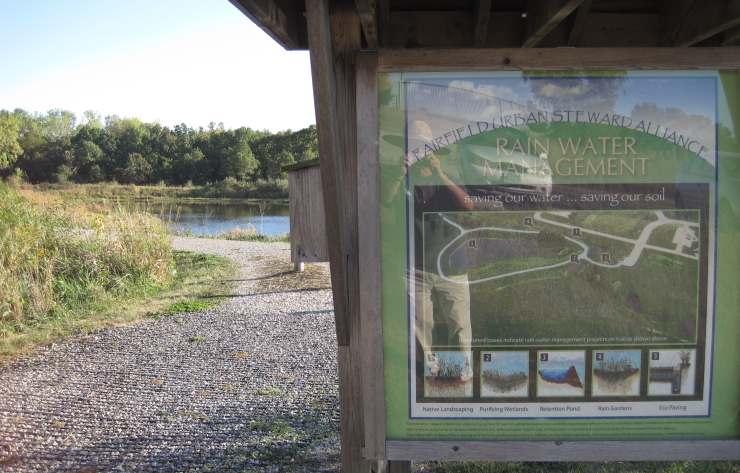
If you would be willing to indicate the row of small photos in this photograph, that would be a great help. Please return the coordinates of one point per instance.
(560, 373)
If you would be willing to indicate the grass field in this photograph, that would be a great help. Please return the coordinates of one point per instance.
(498, 252)
(656, 298)
(587, 301)
(624, 223)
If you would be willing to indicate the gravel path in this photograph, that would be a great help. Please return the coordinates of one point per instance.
(247, 386)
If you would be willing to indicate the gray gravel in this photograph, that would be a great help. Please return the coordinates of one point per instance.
(247, 386)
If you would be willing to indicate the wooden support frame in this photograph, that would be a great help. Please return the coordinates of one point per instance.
(366, 10)
(368, 179)
(368, 186)
(482, 18)
(557, 59)
(579, 23)
(401, 452)
(334, 36)
(724, 25)
(543, 24)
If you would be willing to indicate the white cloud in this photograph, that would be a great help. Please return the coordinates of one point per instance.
(554, 90)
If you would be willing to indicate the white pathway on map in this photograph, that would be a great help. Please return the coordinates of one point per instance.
(639, 245)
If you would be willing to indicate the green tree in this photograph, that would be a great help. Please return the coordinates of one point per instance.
(88, 158)
(10, 148)
(58, 124)
(137, 170)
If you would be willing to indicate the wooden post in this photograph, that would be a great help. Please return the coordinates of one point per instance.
(333, 39)
(371, 343)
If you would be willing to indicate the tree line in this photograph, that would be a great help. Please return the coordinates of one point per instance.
(56, 147)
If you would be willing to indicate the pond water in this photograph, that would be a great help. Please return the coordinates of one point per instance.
(210, 219)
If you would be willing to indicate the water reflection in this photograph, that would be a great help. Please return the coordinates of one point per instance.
(269, 218)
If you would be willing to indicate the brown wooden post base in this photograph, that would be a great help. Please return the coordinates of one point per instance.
(399, 467)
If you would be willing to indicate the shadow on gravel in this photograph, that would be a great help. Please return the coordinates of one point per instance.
(313, 312)
(220, 443)
(267, 276)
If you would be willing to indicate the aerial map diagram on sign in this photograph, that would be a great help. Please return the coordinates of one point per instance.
(550, 252)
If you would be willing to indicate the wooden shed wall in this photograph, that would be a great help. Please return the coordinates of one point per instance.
(308, 241)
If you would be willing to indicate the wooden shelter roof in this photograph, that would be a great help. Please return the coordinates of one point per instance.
(409, 24)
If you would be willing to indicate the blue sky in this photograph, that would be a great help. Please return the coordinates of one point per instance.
(171, 61)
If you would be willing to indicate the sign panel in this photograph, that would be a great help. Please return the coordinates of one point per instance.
(559, 255)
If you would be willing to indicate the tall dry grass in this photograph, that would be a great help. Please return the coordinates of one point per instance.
(58, 258)
(229, 188)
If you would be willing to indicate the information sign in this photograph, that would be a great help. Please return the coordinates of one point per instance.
(559, 255)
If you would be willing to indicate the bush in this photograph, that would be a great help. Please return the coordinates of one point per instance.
(16, 179)
(57, 257)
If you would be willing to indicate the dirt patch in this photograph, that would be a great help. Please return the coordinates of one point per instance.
(279, 276)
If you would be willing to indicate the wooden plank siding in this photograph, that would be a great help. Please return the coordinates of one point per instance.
(308, 241)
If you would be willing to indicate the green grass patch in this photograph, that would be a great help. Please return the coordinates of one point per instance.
(663, 236)
(192, 305)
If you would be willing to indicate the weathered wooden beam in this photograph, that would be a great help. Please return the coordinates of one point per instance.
(456, 29)
(327, 122)
(579, 23)
(334, 37)
(282, 26)
(557, 59)
(732, 35)
(726, 24)
(543, 24)
(482, 19)
(367, 11)
(708, 20)
(593, 450)
(368, 186)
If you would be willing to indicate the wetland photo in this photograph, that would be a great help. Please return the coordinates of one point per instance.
(505, 374)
